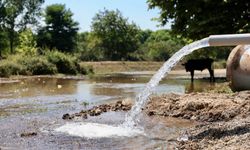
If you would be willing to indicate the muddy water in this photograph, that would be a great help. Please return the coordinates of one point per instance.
(37, 105)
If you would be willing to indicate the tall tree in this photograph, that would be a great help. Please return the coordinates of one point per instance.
(200, 18)
(17, 15)
(60, 31)
(161, 44)
(3, 42)
(27, 43)
(116, 37)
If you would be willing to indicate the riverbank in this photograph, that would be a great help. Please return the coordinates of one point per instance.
(108, 67)
(223, 120)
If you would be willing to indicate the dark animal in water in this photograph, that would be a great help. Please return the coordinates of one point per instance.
(199, 64)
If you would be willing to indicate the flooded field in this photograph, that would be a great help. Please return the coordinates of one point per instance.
(32, 108)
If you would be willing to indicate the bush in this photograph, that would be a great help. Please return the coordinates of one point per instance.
(66, 64)
(26, 65)
(8, 68)
(86, 69)
(51, 63)
(38, 66)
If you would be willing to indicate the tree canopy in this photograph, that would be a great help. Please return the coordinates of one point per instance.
(60, 31)
(15, 15)
(115, 36)
(161, 45)
(200, 18)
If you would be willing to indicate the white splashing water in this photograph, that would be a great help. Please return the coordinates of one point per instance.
(95, 130)
(132, 118)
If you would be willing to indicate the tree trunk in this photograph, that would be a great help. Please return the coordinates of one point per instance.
(11, 38)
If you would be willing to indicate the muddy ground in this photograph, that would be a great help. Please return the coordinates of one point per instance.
(223, 119)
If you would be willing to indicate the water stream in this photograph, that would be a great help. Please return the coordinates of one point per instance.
(132, 118)
(130, 126)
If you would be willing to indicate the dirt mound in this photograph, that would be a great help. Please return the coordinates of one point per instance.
(234, 134)
(224, 118)
(207, 107)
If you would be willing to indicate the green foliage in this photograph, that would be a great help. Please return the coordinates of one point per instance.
(201, 18)
(86, 47)
(93, 50)
(38, 66)
(161, 45)
(27, 43)
(143, 35)
(60, 31)
(160, 51)
(16, 15)
(51, 63)
(220, 64)
(83, 69)
(3, 42)
(113, 36)
(217, 53)
(26, 65)
(8, 68)
(66, 64)
(82, 41)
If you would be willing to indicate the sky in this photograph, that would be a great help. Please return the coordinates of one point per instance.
(135, 10)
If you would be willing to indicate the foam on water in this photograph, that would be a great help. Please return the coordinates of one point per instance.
(95, 130)
(132, 118)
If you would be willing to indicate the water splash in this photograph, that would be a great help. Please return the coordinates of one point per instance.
(96, 130)
(132, 118)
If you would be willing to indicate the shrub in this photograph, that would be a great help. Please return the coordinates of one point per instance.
(38, 66)
(66, 64)
(8, 68)
(86, 69)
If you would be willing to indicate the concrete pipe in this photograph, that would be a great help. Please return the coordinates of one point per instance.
(229, 39)
(238, 68)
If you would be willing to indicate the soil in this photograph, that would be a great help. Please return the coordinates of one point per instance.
(124, 105)
(223, 118)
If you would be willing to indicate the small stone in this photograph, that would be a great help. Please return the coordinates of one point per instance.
(98, 111)
(78, 114)
(66, 116)
(127, 102)
(84, 116)
(193, 118)
(151, 113)
(28, 134)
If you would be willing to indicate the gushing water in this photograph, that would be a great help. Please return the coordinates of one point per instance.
(132, 118)
(128, 128)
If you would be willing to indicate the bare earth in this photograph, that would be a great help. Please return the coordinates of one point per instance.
(224, 120)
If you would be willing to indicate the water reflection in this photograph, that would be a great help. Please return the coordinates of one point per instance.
(36, 87)
(97, 89)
